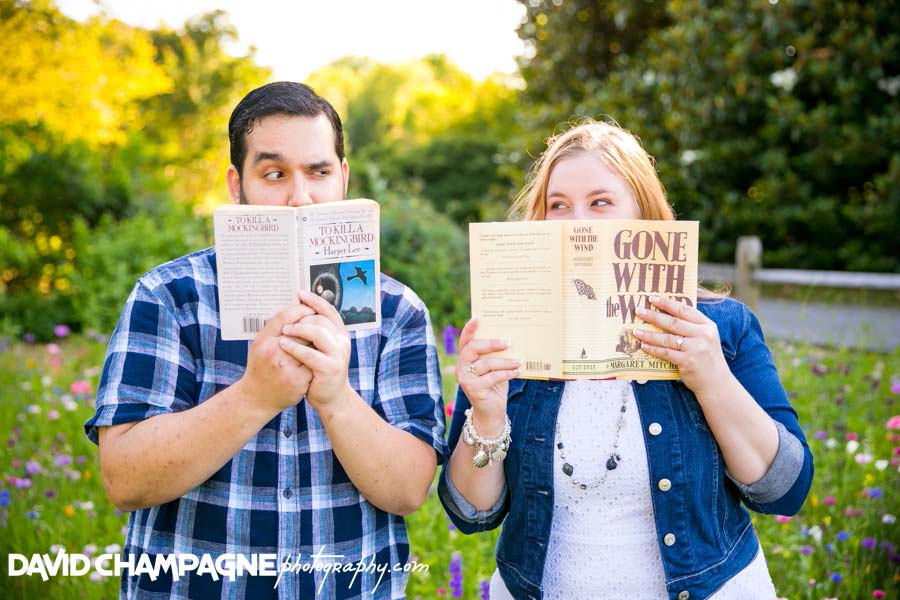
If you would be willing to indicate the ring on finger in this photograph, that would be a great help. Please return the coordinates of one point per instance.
(679, 341)
(471, 369)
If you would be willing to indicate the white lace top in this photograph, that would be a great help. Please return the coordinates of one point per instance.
(603, 542)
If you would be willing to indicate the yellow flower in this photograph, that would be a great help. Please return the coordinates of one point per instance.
(69, 511)
(827, 520)
(868, 478)
(814, 500)
(87, 473)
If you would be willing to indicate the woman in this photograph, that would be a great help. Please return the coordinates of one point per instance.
(617, 489)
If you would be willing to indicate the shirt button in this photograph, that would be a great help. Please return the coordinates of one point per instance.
(665, 485)
(287, 493)
(684, 595)
(669, 539)
(655, 429)
(287, 432)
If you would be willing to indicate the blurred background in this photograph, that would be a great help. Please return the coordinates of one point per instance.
(777, 120)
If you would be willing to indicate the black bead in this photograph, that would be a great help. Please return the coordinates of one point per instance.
(560, 445)
(568, 469)
(611, 464)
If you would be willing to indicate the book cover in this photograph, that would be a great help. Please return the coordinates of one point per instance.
(266, 254)
(565, 292)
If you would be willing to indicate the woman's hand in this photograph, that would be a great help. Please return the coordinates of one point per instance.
(485, 379)
(689, 339)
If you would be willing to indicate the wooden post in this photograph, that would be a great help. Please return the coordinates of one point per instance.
(747, 259)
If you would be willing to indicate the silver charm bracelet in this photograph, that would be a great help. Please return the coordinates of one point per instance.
(486, 450)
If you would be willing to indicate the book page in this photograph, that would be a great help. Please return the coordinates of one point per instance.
(515, 269)
(340, 260)
(631, 261)
(256, 257)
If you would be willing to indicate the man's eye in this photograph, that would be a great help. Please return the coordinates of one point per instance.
(273, 175)
(323, 172)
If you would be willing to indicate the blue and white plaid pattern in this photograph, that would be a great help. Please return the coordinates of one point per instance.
(284, 493)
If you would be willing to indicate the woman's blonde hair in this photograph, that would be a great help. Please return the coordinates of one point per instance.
(617, 148)
(623, 154)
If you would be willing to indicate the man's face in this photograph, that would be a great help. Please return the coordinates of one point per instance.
(290, 161)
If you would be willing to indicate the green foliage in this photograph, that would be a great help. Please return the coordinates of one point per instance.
(111, 256)
(430, 127)
(840, 394)
(425, 250)
(775, 119)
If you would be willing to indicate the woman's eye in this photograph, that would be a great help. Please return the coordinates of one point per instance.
(557, 206)
(599, 202)
(273, 175)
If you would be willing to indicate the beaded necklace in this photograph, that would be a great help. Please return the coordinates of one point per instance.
(614, 458)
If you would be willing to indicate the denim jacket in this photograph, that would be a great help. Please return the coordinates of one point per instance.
(705, 536)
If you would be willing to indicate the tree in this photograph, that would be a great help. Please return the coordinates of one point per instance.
(776, 119)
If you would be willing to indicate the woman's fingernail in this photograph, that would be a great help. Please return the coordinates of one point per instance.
(637, 331)
(505, 343)
(641, 310)
(654, 299)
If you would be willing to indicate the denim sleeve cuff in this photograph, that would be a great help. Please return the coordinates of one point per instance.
(464, 509)
(781, 476)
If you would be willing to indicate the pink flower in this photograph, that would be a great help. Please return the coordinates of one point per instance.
(862, 458)
(895, 385)
(61, 331)
(829, 501)
(80, 387)
(852, 436)
(782, 519)
(878, 594)
(894, 422)
(52, 349)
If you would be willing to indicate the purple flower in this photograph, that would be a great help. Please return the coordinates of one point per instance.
(456, 576)
(819, 369)
(885, 545)
(485, 593)
(50, 494)
(449, 334)
(4, 497)
(821, 435)
(837, 577)
(868, 543)
(829, 548)
(61, 331)
(23, 483)
(32, 467)
(843, 536)
(807, 550)
(875, 493)
(62, 460)
(28, 338)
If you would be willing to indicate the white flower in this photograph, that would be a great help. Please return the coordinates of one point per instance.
(831, 443)
(96, 576)
(881, 465)
(33, 409)
(852, 446)
(815, 532)
(888, 519)
(113, 549)
(46, 380)
(26, 386)
(89, 549)
(785, 79)
(56, 549)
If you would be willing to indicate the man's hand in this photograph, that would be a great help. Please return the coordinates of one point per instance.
(276, 377)
(328, 356)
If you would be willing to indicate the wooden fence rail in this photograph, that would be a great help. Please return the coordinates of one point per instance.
(747, 274)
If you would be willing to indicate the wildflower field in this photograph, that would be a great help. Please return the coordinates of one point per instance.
(843, 544)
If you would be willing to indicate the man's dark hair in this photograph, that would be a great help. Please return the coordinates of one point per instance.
(278, 98)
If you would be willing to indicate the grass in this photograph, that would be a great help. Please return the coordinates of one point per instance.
(842, 544)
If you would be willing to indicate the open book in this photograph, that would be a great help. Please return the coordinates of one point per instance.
(565, 292)
(266, 254)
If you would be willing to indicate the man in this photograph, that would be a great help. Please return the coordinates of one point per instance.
(309, 441)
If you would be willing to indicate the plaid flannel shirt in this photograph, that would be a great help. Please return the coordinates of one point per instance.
(284, 492)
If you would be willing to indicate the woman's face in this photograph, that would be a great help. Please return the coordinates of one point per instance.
(583, 187)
